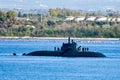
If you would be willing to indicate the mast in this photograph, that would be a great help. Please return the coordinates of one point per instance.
(69, 40)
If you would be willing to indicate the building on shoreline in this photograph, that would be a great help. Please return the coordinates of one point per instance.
(92, 18)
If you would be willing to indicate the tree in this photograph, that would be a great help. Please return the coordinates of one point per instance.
(11, 14)
(20, 14)
(2, 16)
(25, 15)
(50, 23)
(53, 12)
(10, 18)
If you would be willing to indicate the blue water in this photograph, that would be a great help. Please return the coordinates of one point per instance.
(58, 68)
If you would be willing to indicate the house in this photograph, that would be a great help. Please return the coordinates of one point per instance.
(80, 18)
(101, 19)
(90, 18)
(69, 18)
(114, 19)
(118, 19)
(109, 19)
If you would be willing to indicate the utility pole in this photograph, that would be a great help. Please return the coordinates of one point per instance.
(41, 18)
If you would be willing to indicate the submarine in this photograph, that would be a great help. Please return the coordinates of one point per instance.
(69, 49)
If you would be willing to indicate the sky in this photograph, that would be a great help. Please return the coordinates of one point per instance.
(73, 4)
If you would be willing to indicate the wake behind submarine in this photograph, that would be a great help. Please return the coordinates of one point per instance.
(67, 50)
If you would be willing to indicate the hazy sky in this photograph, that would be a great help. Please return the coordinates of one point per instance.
(72, 4)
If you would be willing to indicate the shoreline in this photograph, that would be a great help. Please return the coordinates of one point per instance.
(60, 38)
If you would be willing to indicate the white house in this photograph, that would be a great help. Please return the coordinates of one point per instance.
(91, 18)
(109, 19)
(113, 19)
(69, 18)
(80, 18)
(118, 19)
(101, 19)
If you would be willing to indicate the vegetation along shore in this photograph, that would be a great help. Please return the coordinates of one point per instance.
(60, 23)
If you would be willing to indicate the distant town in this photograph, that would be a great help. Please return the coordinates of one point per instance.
(75, 18)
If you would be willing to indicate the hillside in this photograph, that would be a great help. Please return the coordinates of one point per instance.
(54, 24)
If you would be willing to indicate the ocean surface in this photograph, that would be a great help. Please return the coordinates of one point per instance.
(58, 68)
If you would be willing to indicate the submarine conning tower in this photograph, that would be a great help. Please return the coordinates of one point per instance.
(71, 45)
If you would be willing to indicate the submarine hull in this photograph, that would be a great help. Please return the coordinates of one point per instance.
(67, 54)
(67, 50)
